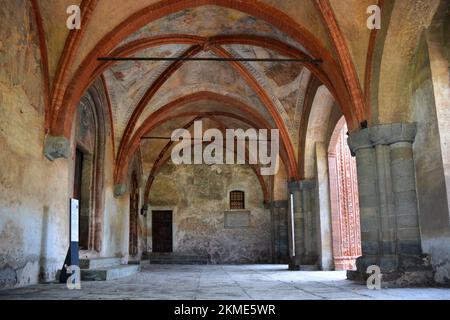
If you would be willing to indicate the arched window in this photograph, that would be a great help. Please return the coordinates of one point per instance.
(237, 200)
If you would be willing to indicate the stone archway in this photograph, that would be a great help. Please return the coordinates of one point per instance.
(90, 137)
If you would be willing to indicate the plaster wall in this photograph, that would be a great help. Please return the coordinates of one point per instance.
(33, 190)
(198, 195)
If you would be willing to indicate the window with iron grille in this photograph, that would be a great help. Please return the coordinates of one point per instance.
(237, 200)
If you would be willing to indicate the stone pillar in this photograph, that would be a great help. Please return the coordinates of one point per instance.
(279, 210)
(390, 236)
(304, 224)
(323, 235)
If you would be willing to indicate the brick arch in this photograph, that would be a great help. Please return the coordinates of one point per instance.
(214, 43)
(311, 91)
(347, 66)
(67, 94)
(158, 117)
(96, 99)
(373, 59)
(161, 161)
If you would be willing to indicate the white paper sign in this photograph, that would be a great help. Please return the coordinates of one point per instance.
(74, 217)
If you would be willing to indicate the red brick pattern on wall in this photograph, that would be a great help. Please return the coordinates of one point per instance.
(345, 206)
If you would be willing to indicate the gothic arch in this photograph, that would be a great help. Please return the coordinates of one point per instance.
(94, 103)
(65, 99)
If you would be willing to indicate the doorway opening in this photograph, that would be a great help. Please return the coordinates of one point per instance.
(162, 231)
(82, 192)
(90, 135)
(346, 231)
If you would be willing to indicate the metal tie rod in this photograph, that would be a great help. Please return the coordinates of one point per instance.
(315, 61)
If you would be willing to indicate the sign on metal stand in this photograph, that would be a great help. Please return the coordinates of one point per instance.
(72, 254)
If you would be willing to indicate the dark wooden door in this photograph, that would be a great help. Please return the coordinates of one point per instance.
(162, 231)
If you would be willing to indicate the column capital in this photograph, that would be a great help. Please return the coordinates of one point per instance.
(388, 134)
(56, 147)
(119, 190)
(383, 134)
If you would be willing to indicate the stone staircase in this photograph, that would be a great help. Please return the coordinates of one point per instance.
(103, 269)
(174, 258)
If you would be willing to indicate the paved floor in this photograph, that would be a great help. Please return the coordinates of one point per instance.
(223, 283)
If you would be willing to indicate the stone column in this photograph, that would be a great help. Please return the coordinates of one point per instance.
(279, 210)
(309, 256)
(323, 234)
(304, 224)
(390, 236)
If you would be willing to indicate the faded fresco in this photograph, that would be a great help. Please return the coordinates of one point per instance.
(284, 82)
(198, 196)
(208, 21)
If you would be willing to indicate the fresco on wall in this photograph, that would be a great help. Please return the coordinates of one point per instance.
(20, 54)
(199, 198)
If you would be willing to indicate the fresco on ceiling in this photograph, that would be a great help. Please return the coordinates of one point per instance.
(127, 82)
(209, 21)
(282, 81)
(217, 77)
(285, 82)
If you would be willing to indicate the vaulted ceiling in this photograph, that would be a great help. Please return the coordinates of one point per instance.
(139, 88)
(151, 98)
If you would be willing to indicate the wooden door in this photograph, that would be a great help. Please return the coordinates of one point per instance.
(162, 231)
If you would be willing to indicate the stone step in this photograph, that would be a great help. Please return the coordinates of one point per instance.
(309, 267)
(186, 262)
(110, 273)
(96, 263)
(175, 258)
(139, 262)
(169, 255)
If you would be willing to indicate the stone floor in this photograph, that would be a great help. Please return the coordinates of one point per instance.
(206, 282)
